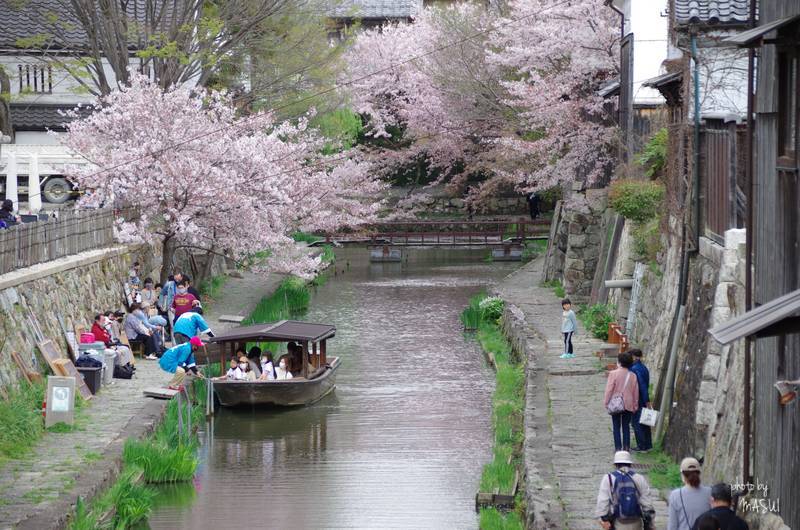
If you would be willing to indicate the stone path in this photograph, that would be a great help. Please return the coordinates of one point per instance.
(38, 490)
(569, 445)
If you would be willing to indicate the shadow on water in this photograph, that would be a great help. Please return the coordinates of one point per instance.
(401, 442)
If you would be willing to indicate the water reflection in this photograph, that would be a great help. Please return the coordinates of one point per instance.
(400, 443)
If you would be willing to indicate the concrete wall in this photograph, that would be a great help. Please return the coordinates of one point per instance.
(74, 288)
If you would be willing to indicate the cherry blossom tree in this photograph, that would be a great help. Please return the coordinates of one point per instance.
(510, 95)
(199, 177)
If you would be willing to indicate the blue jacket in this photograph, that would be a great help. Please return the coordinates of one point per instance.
(643, 377)
(180, 355)
(190, 324)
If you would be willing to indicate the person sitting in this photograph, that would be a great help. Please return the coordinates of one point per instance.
(183, 301)
(148, 294)
(188, 325)
(156, 330)
(295, 353)
(267, 367)
(100, 333)
(254, 360)
(243, 371)
(133, 275)
(136, 331)
(230, 374)
(283, 373)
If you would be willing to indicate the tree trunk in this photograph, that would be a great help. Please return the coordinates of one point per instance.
(211, 255)
(167, 256)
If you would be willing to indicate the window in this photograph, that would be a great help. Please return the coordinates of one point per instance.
(36, 78)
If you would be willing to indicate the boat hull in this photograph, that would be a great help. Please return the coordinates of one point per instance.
(291, 393)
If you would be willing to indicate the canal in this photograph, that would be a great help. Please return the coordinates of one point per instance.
(401, 442)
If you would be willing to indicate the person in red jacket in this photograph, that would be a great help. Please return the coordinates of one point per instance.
(99, 332)
(184, 301)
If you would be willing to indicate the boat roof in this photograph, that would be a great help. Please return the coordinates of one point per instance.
(281, 331)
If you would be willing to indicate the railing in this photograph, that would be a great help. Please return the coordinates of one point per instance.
(73, 232)
(453, 232)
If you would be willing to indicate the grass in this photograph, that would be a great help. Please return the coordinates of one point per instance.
(327, 254)
(210, 288)
(291, 298)
(665, 473)
(125, 504)
(508, 406)
(471, 316)
(533, 249)
(305, 237)
(21, 418)
(558, 289)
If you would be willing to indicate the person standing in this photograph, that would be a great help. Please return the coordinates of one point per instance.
(180, 359)
(183, 301)
(721, 509)
(188, 325)
(621, 400)
(644, 441)
(7, 216)
(569, 324)
(624, 501)
(688, 503)
(533, 204)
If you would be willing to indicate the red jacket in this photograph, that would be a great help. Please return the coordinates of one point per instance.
(101, 334)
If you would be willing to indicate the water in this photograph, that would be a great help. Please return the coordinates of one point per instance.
(399, 444)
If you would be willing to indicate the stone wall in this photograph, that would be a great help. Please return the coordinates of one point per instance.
(73, 288)
(578, 229)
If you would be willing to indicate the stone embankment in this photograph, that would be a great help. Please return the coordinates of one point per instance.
(568, 440)
(40, 489)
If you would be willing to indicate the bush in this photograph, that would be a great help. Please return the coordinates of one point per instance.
(654, 154)
(492, 308)
(596, 319)
(647, 240)
(637, 200)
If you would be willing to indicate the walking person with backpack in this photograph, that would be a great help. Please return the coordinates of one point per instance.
(623, 502)
(621, 400)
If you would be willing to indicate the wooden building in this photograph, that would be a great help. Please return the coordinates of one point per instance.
(773, 323)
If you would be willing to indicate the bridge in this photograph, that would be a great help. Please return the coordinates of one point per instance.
(446, 233)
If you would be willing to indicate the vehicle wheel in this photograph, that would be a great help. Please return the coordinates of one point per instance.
(57, 190)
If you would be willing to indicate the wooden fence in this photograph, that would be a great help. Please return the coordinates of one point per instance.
(73, 232)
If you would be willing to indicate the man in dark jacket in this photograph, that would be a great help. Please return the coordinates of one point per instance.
(721, 500)
(644, 441)
(7, 217)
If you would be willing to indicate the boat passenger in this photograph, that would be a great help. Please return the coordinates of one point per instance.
(295, 353)
(229, 374)
(283, 372)
(267, 367)
(254, 360)
(243, 372)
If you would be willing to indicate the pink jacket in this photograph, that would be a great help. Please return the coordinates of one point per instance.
(630, 392)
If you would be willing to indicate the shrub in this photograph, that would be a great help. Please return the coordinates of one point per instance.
(596, 319)
(637, 200)
(654, 154)
(647, 240)
(492, 308)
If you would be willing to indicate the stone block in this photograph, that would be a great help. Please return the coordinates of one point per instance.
(710, 250)
(575, 264)
(721, 299)
(573, 276)
(578, 241)
(708, 391)
(735, 237)
(705, 413)
(711, 368)
(575, 228)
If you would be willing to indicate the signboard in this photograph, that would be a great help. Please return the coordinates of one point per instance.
(60, 400)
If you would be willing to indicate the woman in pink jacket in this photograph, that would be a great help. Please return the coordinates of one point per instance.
(621, 400)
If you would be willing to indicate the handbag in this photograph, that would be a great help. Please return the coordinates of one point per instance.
(616, 404)
(648, 417)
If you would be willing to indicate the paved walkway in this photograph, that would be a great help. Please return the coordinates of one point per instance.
(38, 490)
(569, 445)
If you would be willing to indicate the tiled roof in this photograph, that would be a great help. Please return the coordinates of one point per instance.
(725, 12)
(387, 9)
(33, 117)
(20, 20)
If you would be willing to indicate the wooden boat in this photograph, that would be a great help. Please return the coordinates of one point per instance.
(315, 379)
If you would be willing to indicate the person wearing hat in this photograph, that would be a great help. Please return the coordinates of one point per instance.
(623, 501)
(688, 503)
(721, 502)
(180, 359)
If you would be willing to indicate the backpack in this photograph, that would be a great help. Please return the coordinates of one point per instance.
(625, 497)
(86, 361)
(123, 372)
